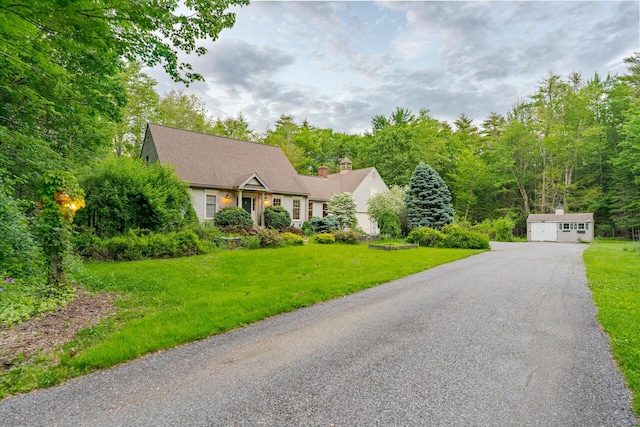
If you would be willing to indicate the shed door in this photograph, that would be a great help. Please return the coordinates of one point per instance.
(544, 232)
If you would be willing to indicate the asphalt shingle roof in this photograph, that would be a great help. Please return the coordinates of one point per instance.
(576, 217)
(335, 183)
(218, 162)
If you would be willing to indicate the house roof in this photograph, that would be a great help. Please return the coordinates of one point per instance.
(576, 217)
(212, 161)
(335, 183)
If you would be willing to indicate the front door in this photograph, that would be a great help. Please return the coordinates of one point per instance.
(247, 205)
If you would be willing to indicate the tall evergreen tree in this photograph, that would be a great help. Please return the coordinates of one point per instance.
(428, 199)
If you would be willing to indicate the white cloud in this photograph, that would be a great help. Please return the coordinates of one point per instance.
(338, 64)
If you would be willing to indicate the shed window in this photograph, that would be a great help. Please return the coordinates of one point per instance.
(566, 226)
(581, 226)
(210, 210)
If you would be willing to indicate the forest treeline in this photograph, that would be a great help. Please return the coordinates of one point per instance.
(72, 93)
(574, 142)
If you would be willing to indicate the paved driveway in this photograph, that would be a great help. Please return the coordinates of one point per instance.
(508, 337)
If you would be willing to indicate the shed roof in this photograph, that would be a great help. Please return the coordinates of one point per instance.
(575, 217)
(218, 162)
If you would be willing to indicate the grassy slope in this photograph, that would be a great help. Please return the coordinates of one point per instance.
(169, 302)
(613, 271)
(191, 298)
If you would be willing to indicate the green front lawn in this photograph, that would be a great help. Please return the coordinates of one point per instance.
(613, 271)
(165, 303)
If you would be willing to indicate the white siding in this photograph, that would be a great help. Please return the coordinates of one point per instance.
(197, 198)
(372, 184)
(287, 203)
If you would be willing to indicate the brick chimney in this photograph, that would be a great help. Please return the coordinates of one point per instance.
(323, 171)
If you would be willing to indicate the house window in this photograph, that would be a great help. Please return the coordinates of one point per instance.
(296, 209)
(325, 209)
(310, 213)
(210, 207)
(277, 202)
(566, 226)
(581, 226)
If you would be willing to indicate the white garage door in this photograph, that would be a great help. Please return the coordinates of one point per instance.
(544, 232)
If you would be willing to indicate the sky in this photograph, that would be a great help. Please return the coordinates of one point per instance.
(339, 64)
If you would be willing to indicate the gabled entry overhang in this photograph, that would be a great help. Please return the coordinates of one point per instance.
(252, 182)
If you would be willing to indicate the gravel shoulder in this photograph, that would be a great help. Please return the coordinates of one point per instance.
(507, 337)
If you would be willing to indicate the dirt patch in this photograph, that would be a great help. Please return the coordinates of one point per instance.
(43, 333)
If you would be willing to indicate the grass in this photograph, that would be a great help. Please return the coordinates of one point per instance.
(613, 271)
(165, 303)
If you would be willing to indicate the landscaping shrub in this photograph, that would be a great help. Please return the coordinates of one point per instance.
(389, 200)
(277, 217)
(428, 237)
(503, 229)
(86, 245)
(250, 242)
(349, 237)
(342, 207)
(209, 234)
(135, 246)
(123, 194)
(500, 230)
(456, 237)
(235, 217)
(269, 237)
(20, 255)
(317, 225)
(295, 230)
(325, 238)
(292, 239)
(389, 224)
(485, 227)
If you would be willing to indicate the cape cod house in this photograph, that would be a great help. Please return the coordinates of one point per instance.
(560, 227)
(223, 172)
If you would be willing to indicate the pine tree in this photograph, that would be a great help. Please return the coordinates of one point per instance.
(428, 199)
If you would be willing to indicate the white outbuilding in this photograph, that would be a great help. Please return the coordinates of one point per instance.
(560, 227)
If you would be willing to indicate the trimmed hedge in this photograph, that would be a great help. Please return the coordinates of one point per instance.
(428, 237)
(277, 217)
(233, 217)
(451, 236)
(456, 237)
(134, 246)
